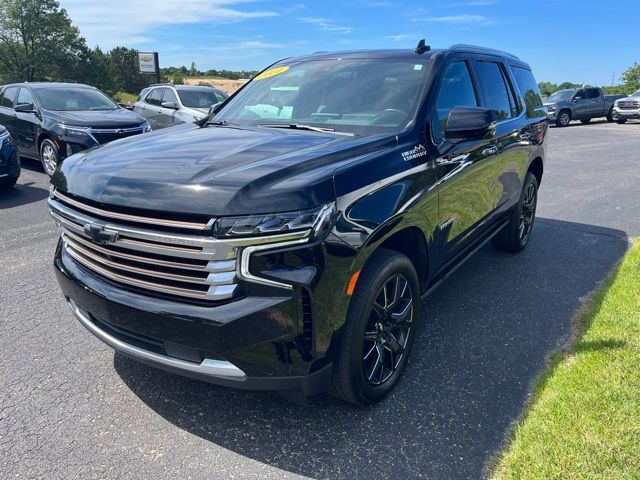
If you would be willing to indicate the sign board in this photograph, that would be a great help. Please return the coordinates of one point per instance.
(147, 62)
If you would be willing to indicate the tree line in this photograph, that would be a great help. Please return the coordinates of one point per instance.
(38, 42)
(630, 83)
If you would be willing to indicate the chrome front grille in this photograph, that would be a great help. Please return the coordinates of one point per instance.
(149, 253)
(629, 105)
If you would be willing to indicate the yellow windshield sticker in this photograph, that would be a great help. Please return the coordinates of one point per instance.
(271, 73)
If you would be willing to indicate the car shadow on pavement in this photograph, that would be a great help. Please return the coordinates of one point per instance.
(485, 336)
(21, 194)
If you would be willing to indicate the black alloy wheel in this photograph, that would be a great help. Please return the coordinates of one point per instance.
(515, 236)
(379, 330)
(527, 212)
(388, 330)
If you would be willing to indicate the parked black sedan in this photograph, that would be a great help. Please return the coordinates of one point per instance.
(51, 121)
(9, 160)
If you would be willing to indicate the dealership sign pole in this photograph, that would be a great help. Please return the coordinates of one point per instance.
(148, 63)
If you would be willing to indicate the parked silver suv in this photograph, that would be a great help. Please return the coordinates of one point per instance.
(165, 105)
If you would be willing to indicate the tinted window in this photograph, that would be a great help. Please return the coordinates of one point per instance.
(155, 97)
(201, 98)
(529, 89)
(9, 96)
(456, 90)
(25, 97)
(496, 89)
(580, 93)
(169, 96)
(592, 92)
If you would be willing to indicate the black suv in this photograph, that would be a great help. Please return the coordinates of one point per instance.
(287, 245)
(51, 121)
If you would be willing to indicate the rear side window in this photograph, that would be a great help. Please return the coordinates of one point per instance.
(529, 89)
(9, 96)
(456, 90)
(496, 89)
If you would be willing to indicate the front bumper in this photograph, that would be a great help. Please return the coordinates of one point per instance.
(552, 116)
(9, 161)
(251, 343)
(626, 114)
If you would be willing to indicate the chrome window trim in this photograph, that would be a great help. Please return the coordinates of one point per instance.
(209, 367)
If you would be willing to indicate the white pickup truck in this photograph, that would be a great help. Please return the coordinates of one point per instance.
(627, 108)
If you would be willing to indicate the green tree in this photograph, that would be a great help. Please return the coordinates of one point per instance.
(38, 41)
(547, 88)
(193, 71)
(631, 77)
(124, 70)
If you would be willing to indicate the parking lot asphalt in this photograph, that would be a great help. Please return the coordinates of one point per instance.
(71, 408)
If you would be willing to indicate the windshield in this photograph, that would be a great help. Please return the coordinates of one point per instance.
(560, 95)
(635, 94)
(70, 99)
(364, 95)
(203, 98)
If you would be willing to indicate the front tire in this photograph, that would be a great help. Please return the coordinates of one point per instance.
(621, 121)
(564, 117)
(515, 236)
(49, 156)
(379, 330)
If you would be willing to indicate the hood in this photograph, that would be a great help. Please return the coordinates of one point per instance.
(216, 170)
(118, 118)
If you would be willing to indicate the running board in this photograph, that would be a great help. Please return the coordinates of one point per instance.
(464, 257)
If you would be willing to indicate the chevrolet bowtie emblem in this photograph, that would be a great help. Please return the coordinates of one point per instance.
(99, 234)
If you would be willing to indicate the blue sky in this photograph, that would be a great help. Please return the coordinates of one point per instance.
(562, 40)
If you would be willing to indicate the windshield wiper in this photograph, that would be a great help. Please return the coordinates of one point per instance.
(298, 126)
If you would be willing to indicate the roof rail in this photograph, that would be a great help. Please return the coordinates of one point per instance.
(476, 49)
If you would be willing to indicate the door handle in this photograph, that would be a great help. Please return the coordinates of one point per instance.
(524, 136)
(487, 152)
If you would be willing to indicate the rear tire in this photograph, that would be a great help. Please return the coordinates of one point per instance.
(584, 121)
(379, 330)
(621, 121)
(49, 156)
(515, 236)
(564, 117)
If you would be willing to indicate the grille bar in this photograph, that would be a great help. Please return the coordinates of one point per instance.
(188, 266)
(132, 218)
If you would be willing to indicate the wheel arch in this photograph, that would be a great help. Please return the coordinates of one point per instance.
(537, 168)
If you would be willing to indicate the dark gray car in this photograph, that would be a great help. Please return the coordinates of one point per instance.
(580, 104)
(166, 105)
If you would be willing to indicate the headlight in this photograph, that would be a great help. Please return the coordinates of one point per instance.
(75, 131)
(551, 107)
(317, 219)
(5, 137)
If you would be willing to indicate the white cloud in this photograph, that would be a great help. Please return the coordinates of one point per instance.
(460, 20)
(122, 22)
(325, 25)
(398, 38)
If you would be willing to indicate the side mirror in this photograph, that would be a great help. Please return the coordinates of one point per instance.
(171, 105)
(469, 123)
(213, 108)
(25, 108)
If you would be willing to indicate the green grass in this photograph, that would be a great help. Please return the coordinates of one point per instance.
(584, 418)
(125, 97)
